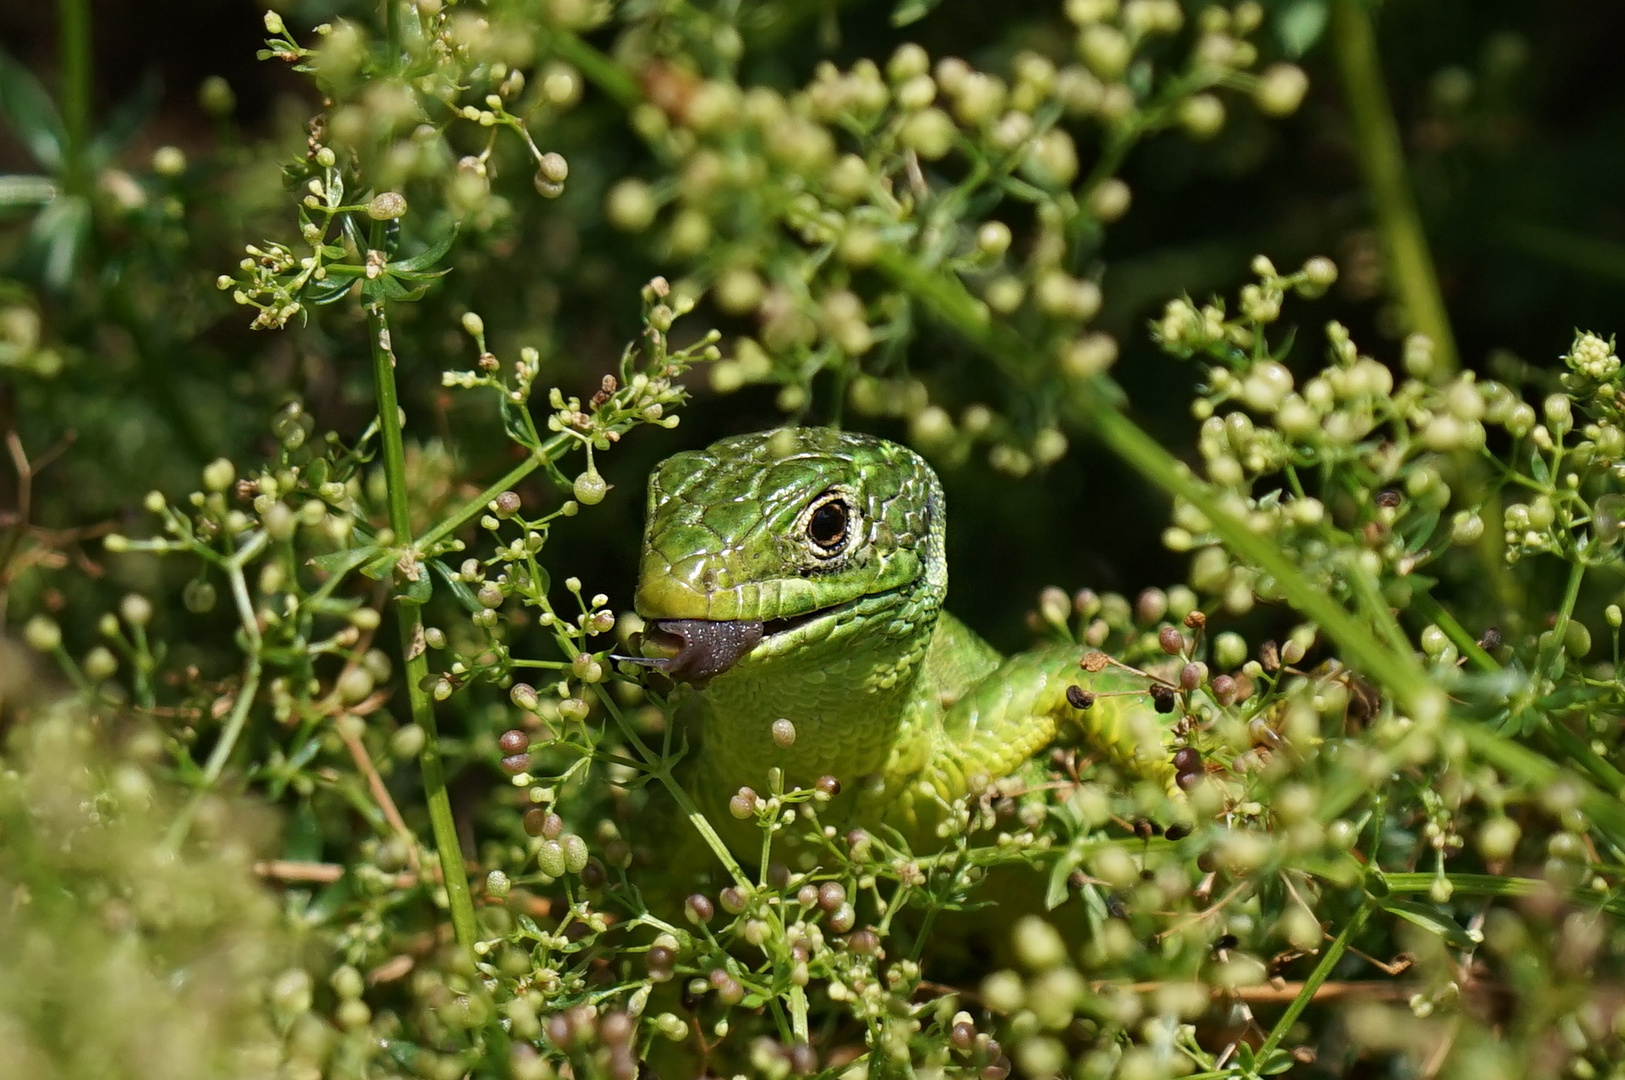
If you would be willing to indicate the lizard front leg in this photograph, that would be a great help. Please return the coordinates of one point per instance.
(1019, 708)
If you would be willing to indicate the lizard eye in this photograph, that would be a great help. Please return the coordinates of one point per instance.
(827, 524)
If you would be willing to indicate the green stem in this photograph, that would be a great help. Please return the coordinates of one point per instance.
(413, 649)
(660, 769)
(1399, 671)
(479, 503)
(1539, 772)
(75, 53)
(246, 693)
(1382, 158)
(1323, 971)
(1410, 263)
(1492, 885)
(392, 32)
(1560, 627)
(1430, 609)
(598, 69)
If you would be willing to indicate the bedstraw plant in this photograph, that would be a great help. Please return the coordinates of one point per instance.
(1396, 839)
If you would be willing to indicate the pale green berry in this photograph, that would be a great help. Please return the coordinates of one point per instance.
(42, 634)
(1281, 89)
(589, 488)
(630, 206)
(1202, 115)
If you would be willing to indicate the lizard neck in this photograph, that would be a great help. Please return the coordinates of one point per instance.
(848, 696)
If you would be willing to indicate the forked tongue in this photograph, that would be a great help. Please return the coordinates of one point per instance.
(697, 649)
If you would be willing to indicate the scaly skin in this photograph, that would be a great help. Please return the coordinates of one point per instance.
(887, 692)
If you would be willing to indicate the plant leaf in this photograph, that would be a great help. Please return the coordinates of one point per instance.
(56, 236)
(342, 562)
(1300, 25)
(465, 596)
(18, 190)
(910, 11)
(425, 258)
(31, 113)
(1428, 918)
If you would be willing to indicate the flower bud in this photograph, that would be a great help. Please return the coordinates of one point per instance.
(1280, 90)
(42, 634)
(630, 206)
(387, 206)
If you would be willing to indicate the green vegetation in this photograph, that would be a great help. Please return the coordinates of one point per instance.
(328, 435)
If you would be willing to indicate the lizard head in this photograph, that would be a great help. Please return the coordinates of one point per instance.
(763, 544)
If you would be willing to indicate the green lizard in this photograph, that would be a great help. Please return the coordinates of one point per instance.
(799, 575)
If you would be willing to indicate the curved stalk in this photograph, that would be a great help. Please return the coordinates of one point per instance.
(413, 649)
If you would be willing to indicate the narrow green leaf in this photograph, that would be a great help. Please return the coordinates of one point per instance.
(911, 11)
(1055, 890)
(326, 291)
(19, 191)
(1430, 919)
(459, 588)
(30, 112)
(342, 562)
(416, 592)
(1300, 25)
(426, 258)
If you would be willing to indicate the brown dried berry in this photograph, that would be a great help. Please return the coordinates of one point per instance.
(1079, 698)
(1195, 620)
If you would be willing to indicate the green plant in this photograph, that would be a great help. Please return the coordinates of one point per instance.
(1406, 852)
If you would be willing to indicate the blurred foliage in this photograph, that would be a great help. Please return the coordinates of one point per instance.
(1393, 646)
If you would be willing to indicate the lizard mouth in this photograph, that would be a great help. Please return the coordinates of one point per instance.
(697, 650)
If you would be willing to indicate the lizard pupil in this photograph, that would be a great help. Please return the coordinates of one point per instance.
(827, 526)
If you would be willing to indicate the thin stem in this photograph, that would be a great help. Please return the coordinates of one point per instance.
(1410, 263)
(75, 53)
(477, 505)
(660, 768)
(1537, 771)
(1399, 671)
(246, 693)
(1565, 614)
(1502, 887)
(1323, 971)
(1382, 158)
(413, 648)
(599, 69)
(392, 32)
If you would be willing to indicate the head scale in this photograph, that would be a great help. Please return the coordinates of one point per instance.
(788, 525)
